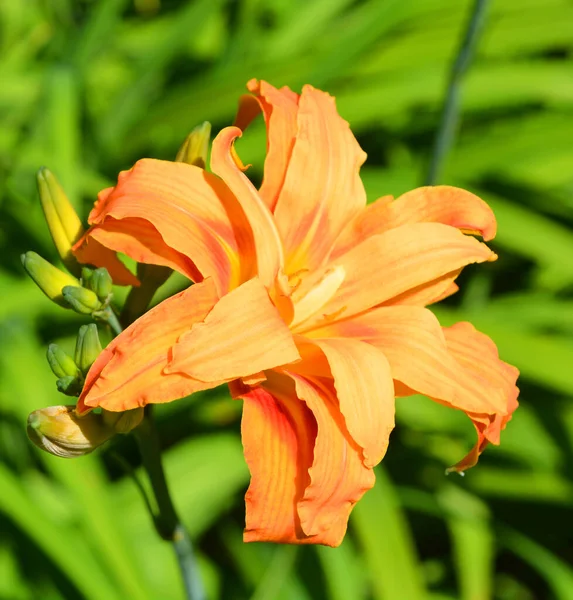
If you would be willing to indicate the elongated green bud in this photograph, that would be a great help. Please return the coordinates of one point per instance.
(81, 299)
(47, 277)
(63, 222)
(61, 363)
(60, 431)
(101, 283)
(88, 347)
(196, 146)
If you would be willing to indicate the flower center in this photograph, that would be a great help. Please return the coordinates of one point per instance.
(318, 295)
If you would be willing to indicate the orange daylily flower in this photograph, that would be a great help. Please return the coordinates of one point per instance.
(307, 302)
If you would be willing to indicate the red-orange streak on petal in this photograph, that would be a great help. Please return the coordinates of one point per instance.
(244, 334)
(338, 476)
(479, 357)
(413, 342)
(280, 109)
(440, 204)
(364, 387)
(131, 370)
(193, 211)
(91, 252)
(268, 247)
(322, 189)
(402, 259)
(141, 241)
(278, 440)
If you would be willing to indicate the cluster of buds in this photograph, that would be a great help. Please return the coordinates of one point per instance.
(60, 430)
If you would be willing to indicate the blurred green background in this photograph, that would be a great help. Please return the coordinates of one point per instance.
(88, 87)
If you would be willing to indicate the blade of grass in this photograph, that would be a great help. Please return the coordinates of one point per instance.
(473, 542)
(556, 572)
(383, 534)
(62, 545)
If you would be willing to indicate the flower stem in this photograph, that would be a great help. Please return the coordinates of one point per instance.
(112, 321)
(167, 522)
(151, 277)
(450, 112)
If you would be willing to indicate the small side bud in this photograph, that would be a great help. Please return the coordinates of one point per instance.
(60, 431)
(88, 347)
(63, 222)
(48, 278)
(70, 385)
(101, 283)
(123, 422)
(61, 363)
(81, 299)
(195, 148)
(87, 275)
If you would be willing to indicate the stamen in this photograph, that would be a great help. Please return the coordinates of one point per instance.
(318, 296)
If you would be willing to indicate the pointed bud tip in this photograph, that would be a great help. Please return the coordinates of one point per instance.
(47, 277)
(195, 148)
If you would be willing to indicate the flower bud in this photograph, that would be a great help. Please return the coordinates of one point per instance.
(195, 148)
(60, 431)
(87, 274)
(81, 299)
(123, 422)
(61, 363)
(47, 277)
(101, 283)
(88, 347)
(63, 222)
(70, 385)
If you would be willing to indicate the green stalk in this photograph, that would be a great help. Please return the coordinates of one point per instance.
(151, 277)
(167, 523)
(165, 519)
(450, 113)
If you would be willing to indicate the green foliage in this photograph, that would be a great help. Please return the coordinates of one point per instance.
(88, 87)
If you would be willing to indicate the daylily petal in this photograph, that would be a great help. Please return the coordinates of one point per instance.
(338, 476)
(138, 239)
(269, 251)
(278, 440)
(91, 252)
(193, 212)
(402, 259)
(364, 387)
(433, 204)
(478, 355)
(372, 220)
(243, 334)
(279, 108)
(428, 293)
(130, 372)
(306, 471)
(444, 204)
(413, 342)
(322, 189)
